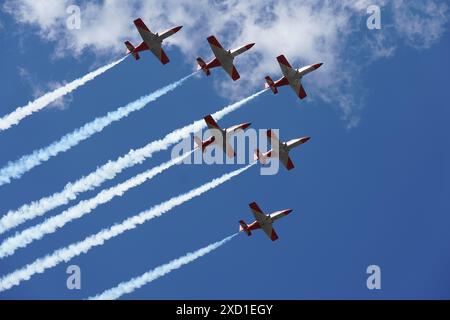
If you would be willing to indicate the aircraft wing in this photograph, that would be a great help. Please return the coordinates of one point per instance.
(143, 30)
(259, 215)
(274, 140)
(225, 58)
(284, 65)
(211, 123)
(159, 53)
(228, 149)
(233, 129)
(286, 160)
(298, 88)
(270, 232)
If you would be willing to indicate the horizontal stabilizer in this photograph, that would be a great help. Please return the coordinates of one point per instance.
(270, 84)
(244, 227)
(131, 50)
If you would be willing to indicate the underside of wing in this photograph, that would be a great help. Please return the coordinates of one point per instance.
(257, 212)
(274, 140)
(284, 65)
(216, 47)
(298, 89)
(211, 123)
(286, 160)
(159, 53)
(270, 232)
(229, 150)
(143, 30)
(226, 147)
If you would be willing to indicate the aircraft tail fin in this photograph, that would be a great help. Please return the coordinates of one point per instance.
(202, 66)
(270, 84)
(131, 50)
(259, 156)
(244, 227)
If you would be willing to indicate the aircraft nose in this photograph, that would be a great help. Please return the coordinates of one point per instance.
(317, 65)
(249, 45)
(288, 211)
(246, 125)
(306, 139)
(176, 29)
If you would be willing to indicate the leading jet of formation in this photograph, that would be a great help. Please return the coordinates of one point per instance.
(222, 58)
(280, 149)
(263, 221)
(292, 77)
(151, 41)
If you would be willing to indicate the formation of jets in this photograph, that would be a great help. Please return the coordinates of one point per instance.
(220, 137)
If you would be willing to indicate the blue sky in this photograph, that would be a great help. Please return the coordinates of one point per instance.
(370, 187)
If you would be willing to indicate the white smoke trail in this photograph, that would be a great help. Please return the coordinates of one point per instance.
(33, 106)
(150, 276)
(108, 171)
(75, 249)
(25, 237)
(15, 169)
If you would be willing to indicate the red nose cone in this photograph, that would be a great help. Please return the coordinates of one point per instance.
(246, 125)
(176, 29)
(306, 139)
(288, 211)
(317, 66)
(249, 45)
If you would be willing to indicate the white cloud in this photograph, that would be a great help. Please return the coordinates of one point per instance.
(421, 22)
(306, 31)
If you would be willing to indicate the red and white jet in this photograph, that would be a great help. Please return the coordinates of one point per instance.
(281, 150)
(222, 58)
(291, 77)
(220, 136)
(151, 41)
(263, 221)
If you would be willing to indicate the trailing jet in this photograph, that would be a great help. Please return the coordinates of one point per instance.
(263, 221)
(222, 58)
(151, 41)
(219, 136)
(291, 76)
(279, 149)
